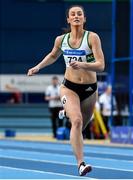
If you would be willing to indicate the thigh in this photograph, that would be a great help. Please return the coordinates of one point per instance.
(87, 108)
(71, 103)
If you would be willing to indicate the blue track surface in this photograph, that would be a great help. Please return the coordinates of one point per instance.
(43, 160)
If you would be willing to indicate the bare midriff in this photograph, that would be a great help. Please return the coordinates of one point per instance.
(80, 76)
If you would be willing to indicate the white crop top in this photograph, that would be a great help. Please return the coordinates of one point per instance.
(82, 54)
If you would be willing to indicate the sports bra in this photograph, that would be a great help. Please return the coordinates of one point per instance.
(82, 54)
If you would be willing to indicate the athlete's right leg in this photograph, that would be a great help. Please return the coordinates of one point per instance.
(71, 105)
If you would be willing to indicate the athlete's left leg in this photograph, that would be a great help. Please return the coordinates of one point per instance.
(87, 108)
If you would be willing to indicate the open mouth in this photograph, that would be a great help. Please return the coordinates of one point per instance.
(76, 21)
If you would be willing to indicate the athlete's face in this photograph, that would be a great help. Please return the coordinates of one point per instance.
(76, 16)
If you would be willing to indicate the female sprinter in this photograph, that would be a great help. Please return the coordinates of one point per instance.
(83, 58)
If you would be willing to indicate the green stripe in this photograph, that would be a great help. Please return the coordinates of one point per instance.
(62, 40)
(88, 40)
(98, 1)
(80, 42)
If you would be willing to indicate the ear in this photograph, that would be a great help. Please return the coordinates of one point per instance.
(68, 20)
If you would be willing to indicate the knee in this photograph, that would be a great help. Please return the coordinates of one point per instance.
(77, 122)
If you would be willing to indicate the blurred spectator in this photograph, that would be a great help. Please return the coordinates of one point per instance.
(16, 95)
(106, 105)
(52, 95)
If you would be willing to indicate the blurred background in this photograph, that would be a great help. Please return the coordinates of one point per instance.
(27, 33)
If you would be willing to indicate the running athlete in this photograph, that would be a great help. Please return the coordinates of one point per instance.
(84, 57)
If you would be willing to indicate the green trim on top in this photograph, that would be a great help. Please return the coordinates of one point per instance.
(62, 40)
(90, 57)
(80, 42)
(88, 39)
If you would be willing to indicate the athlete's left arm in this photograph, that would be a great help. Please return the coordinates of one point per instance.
(99, 63)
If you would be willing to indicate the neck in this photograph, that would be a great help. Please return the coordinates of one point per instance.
(76, 32)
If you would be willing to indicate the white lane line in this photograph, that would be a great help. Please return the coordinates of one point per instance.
(110, 153)
(67, 155)
(44, 172)
(87, 150)
(72, 164)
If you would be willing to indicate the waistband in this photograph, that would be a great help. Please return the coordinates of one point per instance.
(73, 85)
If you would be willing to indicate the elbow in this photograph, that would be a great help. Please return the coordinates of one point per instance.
(101, 67)
(53, 56)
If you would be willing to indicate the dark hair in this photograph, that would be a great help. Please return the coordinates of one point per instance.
(55, 78)
(67, 29)
(68, 9)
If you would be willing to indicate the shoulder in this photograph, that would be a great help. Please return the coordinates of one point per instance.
(93, 36)
(49, 87)
(59, 39)
(93, 39)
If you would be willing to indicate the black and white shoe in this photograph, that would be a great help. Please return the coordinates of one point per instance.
(84, 169)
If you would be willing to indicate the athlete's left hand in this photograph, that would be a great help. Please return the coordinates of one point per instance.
(77, 65)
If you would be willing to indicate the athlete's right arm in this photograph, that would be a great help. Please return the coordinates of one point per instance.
(50, 58)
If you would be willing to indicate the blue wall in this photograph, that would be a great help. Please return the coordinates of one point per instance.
(28, 30)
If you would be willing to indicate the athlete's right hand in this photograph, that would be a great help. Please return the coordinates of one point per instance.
(33, 71)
